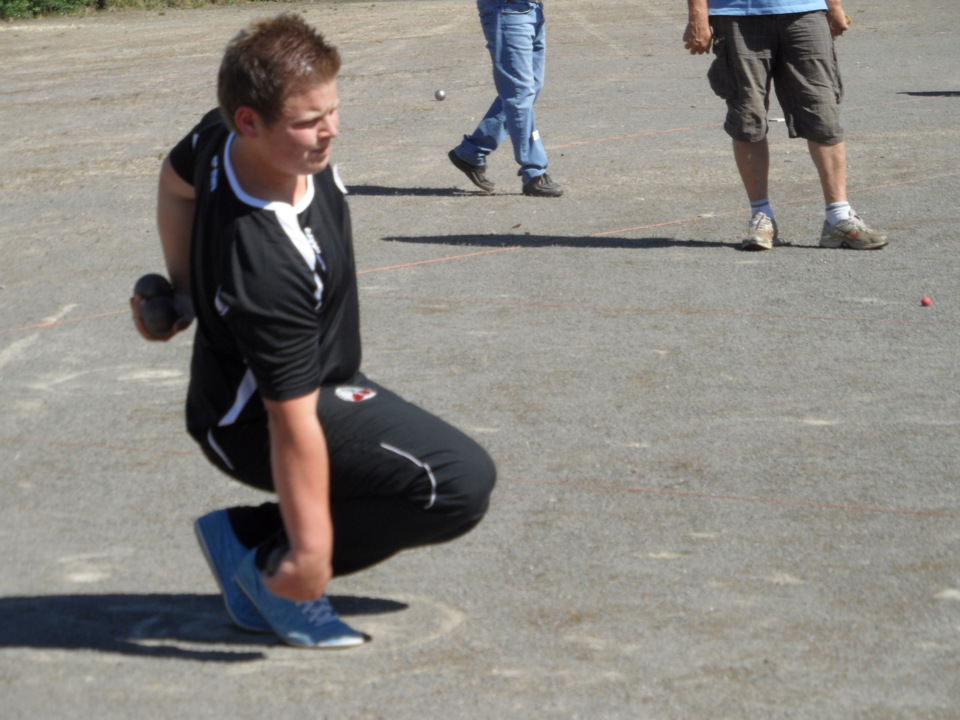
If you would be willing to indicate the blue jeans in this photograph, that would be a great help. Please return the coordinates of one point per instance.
(516, 39)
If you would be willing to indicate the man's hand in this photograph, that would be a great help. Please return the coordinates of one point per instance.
(698, 36)
(837, 19)
(300, 578)
(185, 305)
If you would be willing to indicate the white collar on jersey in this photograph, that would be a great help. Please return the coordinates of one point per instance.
(245, 197)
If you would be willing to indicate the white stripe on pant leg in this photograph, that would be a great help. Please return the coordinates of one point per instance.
(218, 450)
(419, 464)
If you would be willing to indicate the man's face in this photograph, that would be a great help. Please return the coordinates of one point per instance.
(299, 142)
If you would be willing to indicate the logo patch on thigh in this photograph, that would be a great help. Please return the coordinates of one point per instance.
(354, 393)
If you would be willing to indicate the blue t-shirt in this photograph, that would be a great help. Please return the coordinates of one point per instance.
(764, 7)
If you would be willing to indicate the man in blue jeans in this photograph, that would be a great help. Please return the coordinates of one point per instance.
(516, 39)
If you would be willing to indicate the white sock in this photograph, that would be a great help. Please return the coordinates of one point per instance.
(838, 211)
(761, 206)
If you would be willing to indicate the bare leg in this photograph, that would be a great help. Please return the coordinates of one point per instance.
(831, 163)
(753, 162)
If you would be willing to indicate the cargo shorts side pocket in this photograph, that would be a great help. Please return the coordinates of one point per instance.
(719, 75)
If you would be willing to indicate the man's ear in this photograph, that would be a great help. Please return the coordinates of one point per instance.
(247, 121)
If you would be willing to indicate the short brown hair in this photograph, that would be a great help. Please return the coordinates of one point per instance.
(268, 61)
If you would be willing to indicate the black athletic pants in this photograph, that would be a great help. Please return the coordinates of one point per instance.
(399, 476)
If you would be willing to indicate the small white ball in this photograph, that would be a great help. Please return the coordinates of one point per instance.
(440, 94)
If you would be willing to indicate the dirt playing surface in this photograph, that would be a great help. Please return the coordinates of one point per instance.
(728, 481)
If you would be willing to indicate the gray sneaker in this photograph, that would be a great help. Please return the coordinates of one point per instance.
(852, 233)
(762, 234)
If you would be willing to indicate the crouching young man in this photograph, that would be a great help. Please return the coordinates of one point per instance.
(257, 240)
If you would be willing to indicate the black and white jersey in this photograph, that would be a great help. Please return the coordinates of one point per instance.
(274, 287)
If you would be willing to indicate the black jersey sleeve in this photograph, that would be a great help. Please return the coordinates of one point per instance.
(183, 155)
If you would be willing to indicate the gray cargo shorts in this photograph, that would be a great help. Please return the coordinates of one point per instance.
(795, 51)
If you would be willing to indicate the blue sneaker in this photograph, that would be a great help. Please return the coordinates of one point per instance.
(303, 624)
(223, 553)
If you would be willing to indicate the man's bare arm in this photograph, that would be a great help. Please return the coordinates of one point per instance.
(301, 478)
(176, 205)
(839, 22)
(698, 36)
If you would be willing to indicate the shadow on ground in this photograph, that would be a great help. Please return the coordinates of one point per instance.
(532, 241)
(933, 93)
(156, 625)
(382, 190)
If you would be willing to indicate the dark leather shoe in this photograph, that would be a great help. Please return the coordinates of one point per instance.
(542, 186)
(476, 173)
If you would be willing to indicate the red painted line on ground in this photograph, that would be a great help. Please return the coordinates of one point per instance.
(738, 498)
(662, 224)
(97, 446)
(54, 323)
(441, 259)
(652, 311)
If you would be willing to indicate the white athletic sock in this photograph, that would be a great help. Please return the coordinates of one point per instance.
(838, 211)
(761, 206)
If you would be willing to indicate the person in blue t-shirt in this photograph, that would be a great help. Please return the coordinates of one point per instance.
(788, 43)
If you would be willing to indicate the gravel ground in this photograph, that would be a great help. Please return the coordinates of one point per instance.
(728, 481)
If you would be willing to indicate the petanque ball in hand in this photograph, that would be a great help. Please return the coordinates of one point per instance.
(159, 311)
(153, 285)
(159, 314)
